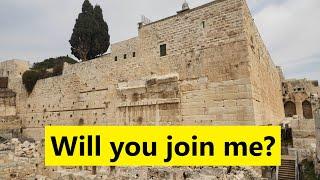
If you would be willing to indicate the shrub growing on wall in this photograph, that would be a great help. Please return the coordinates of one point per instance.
(53, 62)
(30, 79)
(40, 71)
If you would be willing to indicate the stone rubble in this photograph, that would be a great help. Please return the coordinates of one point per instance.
(24, 160)
(217, 74)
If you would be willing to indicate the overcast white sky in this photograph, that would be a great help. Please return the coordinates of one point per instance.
(37, 29)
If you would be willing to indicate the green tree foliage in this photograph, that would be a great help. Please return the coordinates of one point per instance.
(30, 79)
(40, 71)
(101, 40)
(90, 37)
(308, 171)
(53, 62)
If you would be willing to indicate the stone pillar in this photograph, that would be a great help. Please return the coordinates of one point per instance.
(157, 115)
(317, 160)
(127, 122)
(299, 108)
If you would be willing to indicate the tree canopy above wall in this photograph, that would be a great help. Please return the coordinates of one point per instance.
(53, 62)
(48, 68)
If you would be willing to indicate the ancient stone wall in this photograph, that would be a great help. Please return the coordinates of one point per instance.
(208, 75)
(12, 67)
(303, 136)
(12, 95)
(7, 103)
(301, 97)
(317, 124)
(52, 102)
(265, 77)
(8, 112)
(13, 70)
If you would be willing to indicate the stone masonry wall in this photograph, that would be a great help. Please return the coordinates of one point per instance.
(8, 118)
(303, 136)
(298, 92)
(7, 103)
(265, 78)
(12, 98)
(317, 126)
(13, 69)
(52, 102)
(206, 78)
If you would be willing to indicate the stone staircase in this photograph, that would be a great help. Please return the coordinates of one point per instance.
(288, 168)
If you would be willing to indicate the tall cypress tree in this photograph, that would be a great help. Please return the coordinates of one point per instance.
(90, 37)
(101, 39)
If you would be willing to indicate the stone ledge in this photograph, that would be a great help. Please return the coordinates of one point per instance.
(150, 102)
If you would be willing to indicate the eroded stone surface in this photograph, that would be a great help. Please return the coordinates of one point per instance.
(216, 71)
(25, 161)
(217, 74)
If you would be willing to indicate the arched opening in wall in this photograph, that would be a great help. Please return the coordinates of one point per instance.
(4, 82)
(307, 110)
(290, 109)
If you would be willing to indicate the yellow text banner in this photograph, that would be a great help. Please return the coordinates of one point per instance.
(162, 146)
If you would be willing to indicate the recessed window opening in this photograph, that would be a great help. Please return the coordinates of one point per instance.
(163, 50)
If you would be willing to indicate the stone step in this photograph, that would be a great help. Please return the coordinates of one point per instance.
(288, 167)
(288, 161)
(287, 178)
(287, 170)
(288, 173)
(287, 164)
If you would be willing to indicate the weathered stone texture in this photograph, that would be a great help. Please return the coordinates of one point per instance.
(264, 77)
(12, 94)
(216, 71)
(7, 103)
(317, 159)
(24, 160)
(301, 97)
(303, 137)
(13, 70)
